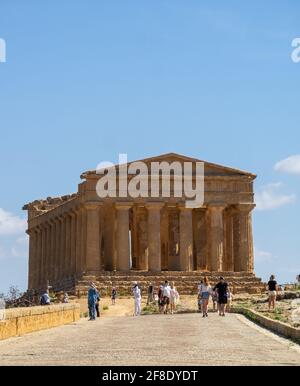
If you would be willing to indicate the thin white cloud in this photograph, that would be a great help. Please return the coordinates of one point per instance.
(20, 247)
(263, 256)
(269, 198)
(290, 165)
(11, 224)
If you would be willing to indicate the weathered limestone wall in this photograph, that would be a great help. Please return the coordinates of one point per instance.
(20, 321)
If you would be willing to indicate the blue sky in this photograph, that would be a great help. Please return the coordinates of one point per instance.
(86, 80)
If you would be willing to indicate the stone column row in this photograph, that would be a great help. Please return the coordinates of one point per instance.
(153, 255)
(231, 241)
(62, 247)
(70, 244)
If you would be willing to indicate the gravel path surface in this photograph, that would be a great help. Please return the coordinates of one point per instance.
(185, 339)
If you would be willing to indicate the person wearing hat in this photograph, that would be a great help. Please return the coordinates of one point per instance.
(92, 301)
(137, 299)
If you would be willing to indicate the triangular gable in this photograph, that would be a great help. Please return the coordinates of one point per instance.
(210, 168)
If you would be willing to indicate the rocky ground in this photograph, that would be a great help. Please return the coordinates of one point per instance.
(287, 307)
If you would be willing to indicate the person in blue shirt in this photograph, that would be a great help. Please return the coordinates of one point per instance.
(92, 301)
(45, 299)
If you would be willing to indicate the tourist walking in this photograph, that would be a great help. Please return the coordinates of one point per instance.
(98, 304)
(199, 296)
(214, 297)
(166, 296)
(150, 294)
(137, 299)
(272, 292)
(113, 296)
(229, 300)
(222, 290)
(160, 295)
(174, 298)
(205, 292)
(92, 300)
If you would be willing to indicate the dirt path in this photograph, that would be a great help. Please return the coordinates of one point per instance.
(185, 339)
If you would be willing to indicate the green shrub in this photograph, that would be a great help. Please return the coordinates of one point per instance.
(150, 309)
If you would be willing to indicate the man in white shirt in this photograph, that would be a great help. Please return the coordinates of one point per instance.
(137, 299)
(166, 295)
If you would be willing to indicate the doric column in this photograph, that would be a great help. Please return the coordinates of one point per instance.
(73, 244)
(122, 236)
(154, 241)
(48, 252)
(186, 238)
(35, 262)
(52, 251)
(93, 262)
(31, 262)
(110, 231)
(83, 239)
(229, 240)
(79, 267)
(202, 240)
(57, 248)
(44, 257)
(39, 258)
(62, 247)
(245, 237)
(67, 260)
(217, 237)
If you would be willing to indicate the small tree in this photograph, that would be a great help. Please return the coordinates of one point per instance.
(13, 294)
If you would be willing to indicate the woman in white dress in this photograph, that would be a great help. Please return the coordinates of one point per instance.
(137, 299)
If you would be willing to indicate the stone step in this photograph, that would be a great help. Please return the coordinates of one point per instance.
(177, 282)
(182, 288)
(186, 282)
(167, 273)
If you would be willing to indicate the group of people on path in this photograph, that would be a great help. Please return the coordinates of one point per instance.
(220, 294)
(167, 297)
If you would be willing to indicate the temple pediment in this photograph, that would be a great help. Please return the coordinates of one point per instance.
(211, 169)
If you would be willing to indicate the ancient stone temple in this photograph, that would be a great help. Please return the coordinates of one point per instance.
(114, 240)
